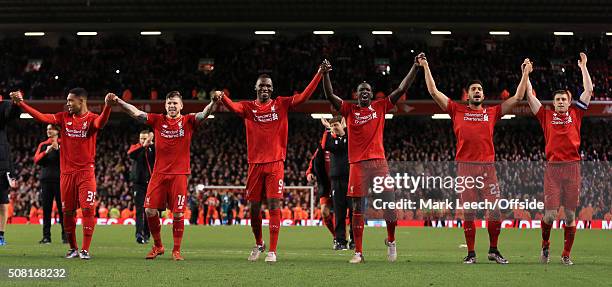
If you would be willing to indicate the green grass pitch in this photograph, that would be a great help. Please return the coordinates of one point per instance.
(216, 256)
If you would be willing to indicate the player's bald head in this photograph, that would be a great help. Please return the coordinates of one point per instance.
(264, 87)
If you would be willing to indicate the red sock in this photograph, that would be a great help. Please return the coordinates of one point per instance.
(155, 229)
(391, 230)
(358, 231)
(89, 224)
(256, 227)
(494, 228)
(570, 232)
(470, 234)
(178, 226)
(329, 223)
(546, 234)
(275, 217)
(70, 230)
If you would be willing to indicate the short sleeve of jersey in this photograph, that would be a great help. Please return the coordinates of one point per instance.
(153, 119)
(541, 115)
(451, 107)
(498, 112)
(579, 111)
(345, 109)
(191, 119)
(387, 104)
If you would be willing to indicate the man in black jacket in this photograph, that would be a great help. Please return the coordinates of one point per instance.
(143, 159)
(48, 157)
(336, 142)
(8, 112)
(319, 169)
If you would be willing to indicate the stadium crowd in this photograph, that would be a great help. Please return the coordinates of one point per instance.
(219, 158)
(144, 68)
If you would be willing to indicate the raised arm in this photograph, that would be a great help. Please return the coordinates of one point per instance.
(135, 150)
(587, 84)
(45, 118)
(40, 154)
(210, 108)
(101, 121)
(440, 98)
(131, 110)
(233, 107)
(327, 86)
(406, 82)
(534, 103)
(325, 123)
(508, 104)
(305, 95)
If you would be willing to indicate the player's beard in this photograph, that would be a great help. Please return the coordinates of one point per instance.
(475, 103)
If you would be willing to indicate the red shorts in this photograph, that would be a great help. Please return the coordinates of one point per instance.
(483, 184)
(78, 189)
(265, 180)
(325, 200)
(562, 185)
(167, 191)
(362, 174)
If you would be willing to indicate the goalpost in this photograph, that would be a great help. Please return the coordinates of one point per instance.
(309, 189)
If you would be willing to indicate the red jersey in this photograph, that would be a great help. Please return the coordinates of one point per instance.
(365, 129)
(78, 149)
(172, 142)
(474, 131)
(267, 127)
(561, 133)
(267, 124)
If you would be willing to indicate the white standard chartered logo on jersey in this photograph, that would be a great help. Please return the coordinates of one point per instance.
(170, 134)
(476, 117)
(268, 117)
(74, 133)
(360, 120)
(556, 120)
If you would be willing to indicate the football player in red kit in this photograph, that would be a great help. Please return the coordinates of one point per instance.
(562, 177)
(365, 123)
(473, 125)
(266, 121)
(318, 169)
(79, 129)
(168, 185)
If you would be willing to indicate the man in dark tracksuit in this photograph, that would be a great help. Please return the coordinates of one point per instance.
(336, 142)
(319, 169)
(8, 112)
(194, 206)
(143, 159)
(48, 157)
